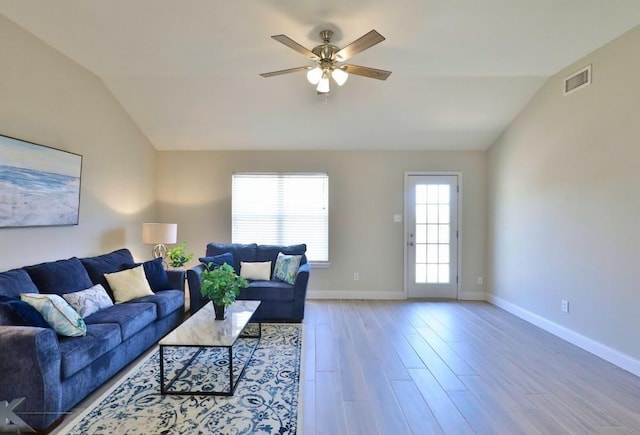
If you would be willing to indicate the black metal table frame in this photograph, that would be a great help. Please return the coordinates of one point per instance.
(232, 385)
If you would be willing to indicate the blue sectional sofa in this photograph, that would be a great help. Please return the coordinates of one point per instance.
(281, 301)
(53, 372)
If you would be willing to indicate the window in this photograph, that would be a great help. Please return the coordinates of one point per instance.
(282, 209)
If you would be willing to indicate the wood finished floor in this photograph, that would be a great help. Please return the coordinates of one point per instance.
(420, 367)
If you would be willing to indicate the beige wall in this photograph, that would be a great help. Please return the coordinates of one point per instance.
(47, 99)
(366, 190)
(563, 205)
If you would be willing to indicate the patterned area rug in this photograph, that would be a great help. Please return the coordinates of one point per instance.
(265, 401)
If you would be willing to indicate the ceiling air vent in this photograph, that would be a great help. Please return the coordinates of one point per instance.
(578, 80)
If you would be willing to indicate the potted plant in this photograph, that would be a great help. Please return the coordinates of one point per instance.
(222, 285)
(178, 256)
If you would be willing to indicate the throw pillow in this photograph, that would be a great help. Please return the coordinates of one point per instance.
(218, 260)
(58, 314)
(128, 284)
(286, 268)
(255, 271)
(22, 313)
(89, 301)
(155, 273)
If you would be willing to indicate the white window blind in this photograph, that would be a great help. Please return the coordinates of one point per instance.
(282, 209)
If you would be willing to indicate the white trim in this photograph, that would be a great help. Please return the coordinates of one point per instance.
(605, 352)
(457, 174)
(357, 295)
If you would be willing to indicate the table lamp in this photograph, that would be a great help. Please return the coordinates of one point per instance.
(159, 234)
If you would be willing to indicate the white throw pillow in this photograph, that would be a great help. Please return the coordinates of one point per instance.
(260, 271)
(129, 284)
(58, 313)
(89, 301)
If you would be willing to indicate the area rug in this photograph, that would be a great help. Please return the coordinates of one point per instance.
(265, 402)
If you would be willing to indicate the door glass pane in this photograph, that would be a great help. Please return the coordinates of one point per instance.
(421, 253)
(443, 214)
(432, 233)
(432, 254)
(432, 194)
(421, 273)
(444, 194)
(421, 234)
(443, 273)
(443, 254)
(421, 214)
(421, 194)
(432, 214)
(432, 273)
(443, 233)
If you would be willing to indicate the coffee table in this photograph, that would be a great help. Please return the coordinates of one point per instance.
(202, 331)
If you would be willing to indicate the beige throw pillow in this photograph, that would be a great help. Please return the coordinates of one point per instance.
(128, 284)
(255, 271)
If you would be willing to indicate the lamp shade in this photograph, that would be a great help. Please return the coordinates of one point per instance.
(323, 84)
(159, 233)
(314, 75)
(340, 76)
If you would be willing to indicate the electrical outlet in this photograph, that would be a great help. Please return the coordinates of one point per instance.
(565, 306)
(480, 280)
(356, 276)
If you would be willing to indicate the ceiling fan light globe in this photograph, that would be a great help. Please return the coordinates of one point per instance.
(314, 75)
(340, 76)
(323, 85)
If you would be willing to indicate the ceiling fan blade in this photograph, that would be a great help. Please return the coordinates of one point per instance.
(286, 71)
(365, 71)
(284, 39)
(369, 40)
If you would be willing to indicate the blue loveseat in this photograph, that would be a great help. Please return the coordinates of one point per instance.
(281, 302)
(52, 372)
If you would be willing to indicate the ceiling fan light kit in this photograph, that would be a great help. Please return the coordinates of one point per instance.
(328, 57)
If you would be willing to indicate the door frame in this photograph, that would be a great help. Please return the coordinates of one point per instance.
(405, 240)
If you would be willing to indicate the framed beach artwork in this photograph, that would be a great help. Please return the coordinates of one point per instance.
(39, 186)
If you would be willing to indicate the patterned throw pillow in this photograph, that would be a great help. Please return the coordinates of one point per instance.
(89, 301)
(129, 284)
(286, 268)
(58, 313)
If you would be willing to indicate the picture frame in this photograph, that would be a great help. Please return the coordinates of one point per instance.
(39, 185)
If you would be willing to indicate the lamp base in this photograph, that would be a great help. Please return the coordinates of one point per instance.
(160, 251)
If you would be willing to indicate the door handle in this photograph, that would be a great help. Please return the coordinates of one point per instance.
(410, 241)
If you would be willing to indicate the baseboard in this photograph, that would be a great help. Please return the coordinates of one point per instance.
(613, 356)
(473, 296)
(349, 294)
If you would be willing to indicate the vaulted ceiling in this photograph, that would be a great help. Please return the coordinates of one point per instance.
(186, 71)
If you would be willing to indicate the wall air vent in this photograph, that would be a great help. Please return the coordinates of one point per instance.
(577, 80)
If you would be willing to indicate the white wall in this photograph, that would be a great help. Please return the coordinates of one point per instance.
(366, 190)
(48, 99)
(563, 206)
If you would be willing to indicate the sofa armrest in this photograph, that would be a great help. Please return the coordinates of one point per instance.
(196, 300)
(176, 278)
(300, 290)
(30, 367)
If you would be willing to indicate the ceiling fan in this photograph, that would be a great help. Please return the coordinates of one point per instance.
(328, 58)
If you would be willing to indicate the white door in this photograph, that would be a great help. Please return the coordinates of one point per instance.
(431, 213)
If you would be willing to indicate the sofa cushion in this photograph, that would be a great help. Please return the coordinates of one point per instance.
(16, 281)
(106, 263)
(58, 313)
(286, 268)
(166, 301)
(129, 284)
(218, 260)
(131, 317)
(78, 352)
(270, 252)
(60, 277)
(89, 301)
(239, 251)
(268, 291)
(17, 312)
